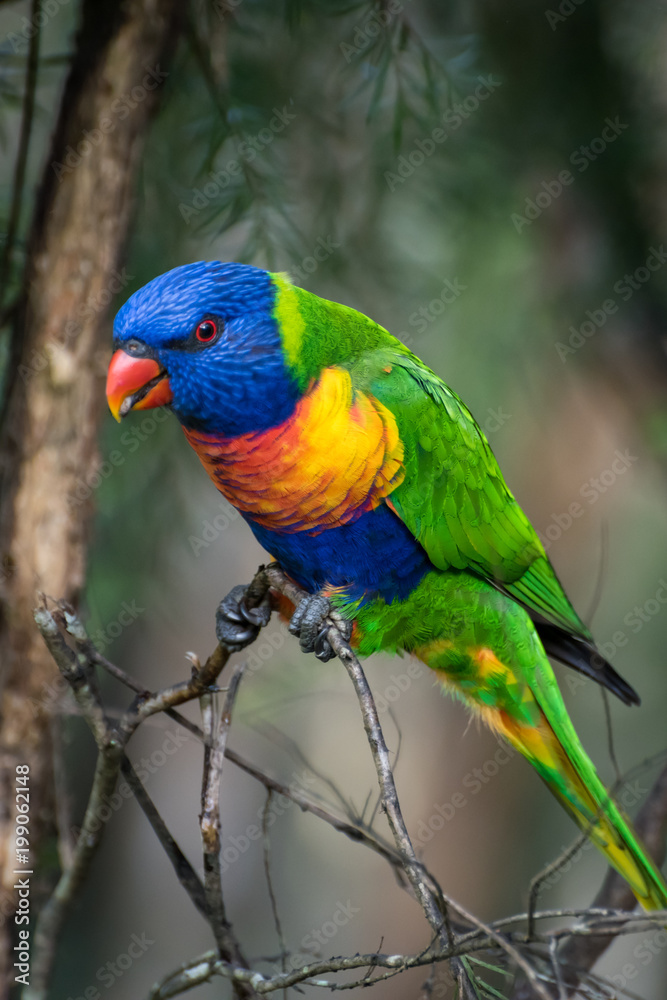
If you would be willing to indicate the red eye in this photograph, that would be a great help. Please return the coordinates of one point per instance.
(206, 331)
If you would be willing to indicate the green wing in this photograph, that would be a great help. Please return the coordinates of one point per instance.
(453, 497)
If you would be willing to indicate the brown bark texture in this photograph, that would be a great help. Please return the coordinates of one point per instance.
(55, 397)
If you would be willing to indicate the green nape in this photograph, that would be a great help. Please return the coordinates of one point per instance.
(317, 333)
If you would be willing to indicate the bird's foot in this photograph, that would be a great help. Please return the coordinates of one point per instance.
(237, 625)
(311, 621)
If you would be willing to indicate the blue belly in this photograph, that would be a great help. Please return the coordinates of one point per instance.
(374, 556)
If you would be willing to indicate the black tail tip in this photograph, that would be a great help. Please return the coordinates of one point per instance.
(584, 657)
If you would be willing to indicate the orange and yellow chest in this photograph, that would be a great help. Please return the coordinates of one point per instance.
(337, 456)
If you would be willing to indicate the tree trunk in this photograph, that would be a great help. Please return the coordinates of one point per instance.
(55, 399)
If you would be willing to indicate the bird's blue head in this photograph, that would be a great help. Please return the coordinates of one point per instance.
(203, 340)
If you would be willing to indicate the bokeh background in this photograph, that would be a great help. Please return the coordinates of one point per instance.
(407, 159)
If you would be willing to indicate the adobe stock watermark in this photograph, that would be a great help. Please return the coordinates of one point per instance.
(234, 847)
(652, 944)
(247, 151)
(213, 528)
(453, 118)
(223, 8)
(375, 22)
(58, 356)
(270, 641)
(473, 783)
(318, 937)
(19, 40)
(634, 620)
(131, 440)
(624, 288)
(420, 319)
(590, 491)
(147, 766)
(108, 974)
(119, 109)
(565, 10)
(400, 683)
(444, 986)
(581, 158)
(322, 250)
(128, 614)
(630, 795)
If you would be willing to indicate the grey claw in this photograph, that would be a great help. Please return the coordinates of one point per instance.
(237, 626)
(260, 615)
(311, 622)
(323, 650)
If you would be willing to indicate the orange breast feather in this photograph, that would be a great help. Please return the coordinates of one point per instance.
(337, 456)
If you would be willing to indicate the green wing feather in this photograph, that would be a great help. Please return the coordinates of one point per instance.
(454, 498)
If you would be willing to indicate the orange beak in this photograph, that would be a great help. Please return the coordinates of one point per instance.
(135, 384)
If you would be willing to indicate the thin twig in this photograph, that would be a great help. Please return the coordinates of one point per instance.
(550, 869)
(210, 816)
(615, 893)
(177, 694)
(54, 912)
(185, 873)
(611, 746)
(355, 831)
(507, 947)
(203, 968)
(269, 882)
(554, 866)
(209, 824)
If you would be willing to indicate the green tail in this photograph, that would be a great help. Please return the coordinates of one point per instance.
(586, 799)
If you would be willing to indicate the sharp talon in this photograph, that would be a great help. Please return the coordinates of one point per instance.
(236, 625)
(232, 615)
(256, 616)
(245, 635)
(248, 614)
(323, 650)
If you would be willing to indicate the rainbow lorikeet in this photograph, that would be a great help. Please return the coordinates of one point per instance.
(369, 481)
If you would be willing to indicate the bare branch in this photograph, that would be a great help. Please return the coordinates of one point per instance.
(178, 694)
(266, 844)
(355, 831)
(214, 756)
(53, 914)
(185, 873)
(209, 820)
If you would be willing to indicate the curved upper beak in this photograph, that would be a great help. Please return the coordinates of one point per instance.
(135, 384)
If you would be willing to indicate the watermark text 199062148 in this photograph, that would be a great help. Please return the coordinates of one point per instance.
(22, 886)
